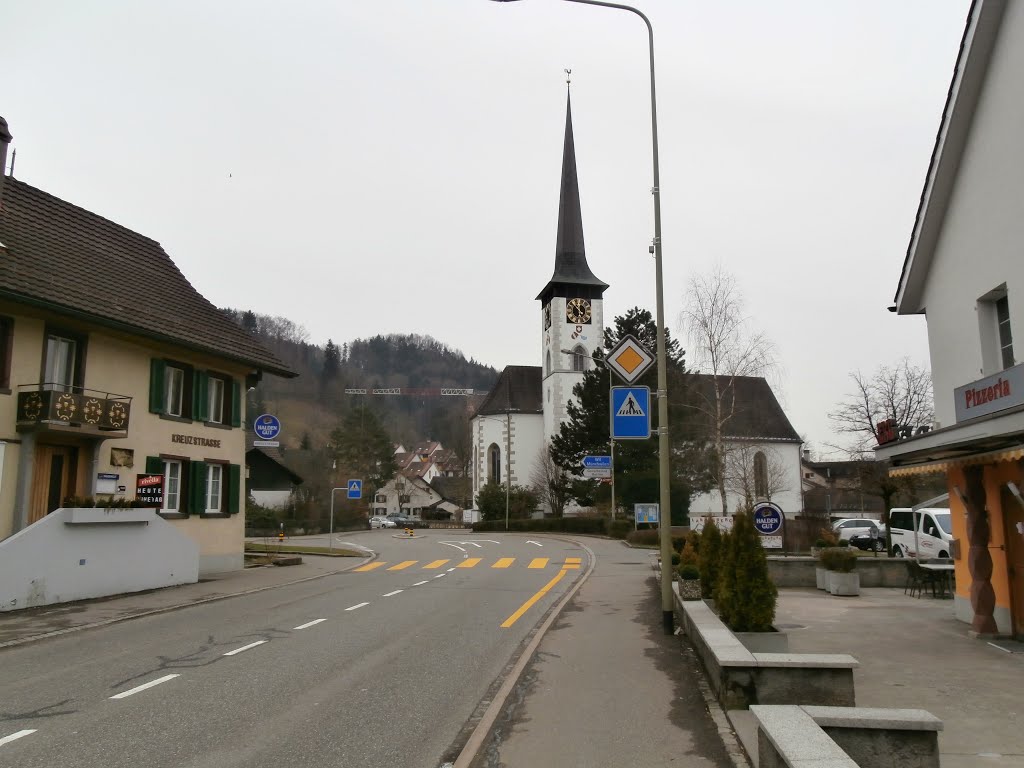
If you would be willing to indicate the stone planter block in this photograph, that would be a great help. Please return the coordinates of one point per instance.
(844, 584)
(821, 578)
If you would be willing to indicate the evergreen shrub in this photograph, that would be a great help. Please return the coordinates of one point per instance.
(709, 558)
(746, 596)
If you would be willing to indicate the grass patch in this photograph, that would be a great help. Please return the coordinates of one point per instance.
(278, 549)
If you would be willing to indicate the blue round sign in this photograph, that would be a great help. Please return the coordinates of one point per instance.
(267, 427)
(768, 518)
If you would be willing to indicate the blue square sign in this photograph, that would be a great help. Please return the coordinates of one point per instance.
(631, 413)
(355, 489)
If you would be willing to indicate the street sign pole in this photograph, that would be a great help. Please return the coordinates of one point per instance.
(330, 533)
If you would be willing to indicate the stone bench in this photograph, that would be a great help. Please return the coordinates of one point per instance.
(845, 737)
(741, 678)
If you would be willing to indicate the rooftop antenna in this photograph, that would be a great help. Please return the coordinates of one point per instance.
(568, 78)
(14, 156)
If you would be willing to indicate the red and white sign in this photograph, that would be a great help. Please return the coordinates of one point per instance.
(993, 393)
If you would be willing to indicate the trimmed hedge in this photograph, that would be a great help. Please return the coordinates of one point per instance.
(595, 525)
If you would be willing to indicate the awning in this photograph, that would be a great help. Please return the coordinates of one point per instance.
(932, 467)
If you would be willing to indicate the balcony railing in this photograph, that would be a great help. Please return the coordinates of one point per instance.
(60, 405)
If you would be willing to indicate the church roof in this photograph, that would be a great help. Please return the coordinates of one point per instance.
(571, 266)
(757, 415)
(518, 390)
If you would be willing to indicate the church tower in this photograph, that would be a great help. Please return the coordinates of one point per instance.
(572, 313)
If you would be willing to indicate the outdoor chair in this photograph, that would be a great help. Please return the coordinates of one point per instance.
(923, 579)
(913, 583)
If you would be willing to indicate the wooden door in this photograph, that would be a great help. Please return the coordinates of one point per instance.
(1013, 516)
(53, 479)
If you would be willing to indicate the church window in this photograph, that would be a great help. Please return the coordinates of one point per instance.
(547, 363)
(579, 359)
(760, 475)
(493, 464)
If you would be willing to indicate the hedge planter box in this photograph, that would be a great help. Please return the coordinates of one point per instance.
(689, 589)
(764, 642)
(844, 584)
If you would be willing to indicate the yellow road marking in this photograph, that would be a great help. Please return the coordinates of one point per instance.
(538, 562)
(529, 603)
(370, 566)
(571, 567)
(573, 560)
(403, 565)
(469, 563)
(505, 562)
(433, 565)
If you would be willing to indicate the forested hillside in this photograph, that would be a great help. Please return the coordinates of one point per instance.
(312, 405)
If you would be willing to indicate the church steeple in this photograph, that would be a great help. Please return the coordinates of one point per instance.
(571, 269)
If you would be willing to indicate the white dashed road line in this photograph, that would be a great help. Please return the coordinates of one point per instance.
(18, 735)
(392, 594)
(421, 583)
(309, 624)
(144, 686)
(245, 648)
(449, 570)
(357, 605)
(439, 576)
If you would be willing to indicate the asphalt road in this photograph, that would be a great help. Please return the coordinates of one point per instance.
(383, 666)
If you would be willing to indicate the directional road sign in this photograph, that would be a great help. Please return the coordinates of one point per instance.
(595, 473)
(629, 359)
(631, 413)
(597, 462)
(355, 489)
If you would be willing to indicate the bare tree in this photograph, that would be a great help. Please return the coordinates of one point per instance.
(722, 345)
(552, 486)
(755, 473)
(901, 393)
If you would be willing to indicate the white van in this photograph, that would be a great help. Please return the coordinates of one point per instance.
(934, 532)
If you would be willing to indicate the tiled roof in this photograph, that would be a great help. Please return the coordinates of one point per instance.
(274, 455)
(517, 390)
(757, 414)
(77, 263)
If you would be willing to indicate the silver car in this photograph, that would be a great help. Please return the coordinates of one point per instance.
(381, 522)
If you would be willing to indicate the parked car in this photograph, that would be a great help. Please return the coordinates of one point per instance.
(933, 536)
(867, 542)
(849, 527)
(382, 522)
(403, 521)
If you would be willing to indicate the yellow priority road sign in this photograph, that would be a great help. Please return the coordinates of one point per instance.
(629, 359)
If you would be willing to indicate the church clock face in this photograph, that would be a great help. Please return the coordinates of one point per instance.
(577, 311)
(547, 316)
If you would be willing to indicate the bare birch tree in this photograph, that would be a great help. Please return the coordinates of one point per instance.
(902, 393)
(723, 345)
(550, 483)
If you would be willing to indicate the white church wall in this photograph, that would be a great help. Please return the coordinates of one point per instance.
(788, 497)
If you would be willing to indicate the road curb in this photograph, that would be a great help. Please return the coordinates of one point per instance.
(484, 728)
(176, 607)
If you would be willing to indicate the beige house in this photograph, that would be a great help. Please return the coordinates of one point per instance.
(113, 365)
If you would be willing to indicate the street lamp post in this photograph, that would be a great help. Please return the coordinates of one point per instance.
(662, 394)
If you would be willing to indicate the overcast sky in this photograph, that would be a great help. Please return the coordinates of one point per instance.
(392, 166)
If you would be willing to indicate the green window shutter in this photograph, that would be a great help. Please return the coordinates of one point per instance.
(234, 487)
(156, 386)
(201, 396)
(236, 403)
(197, 487)
(154, 465)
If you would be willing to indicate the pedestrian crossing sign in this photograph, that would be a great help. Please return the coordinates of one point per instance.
(631, 413)
(355, 489)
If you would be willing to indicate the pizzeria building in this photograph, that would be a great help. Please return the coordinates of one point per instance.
(113, 366)
(964, 272)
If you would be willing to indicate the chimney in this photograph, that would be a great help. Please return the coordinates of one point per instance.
(807, 454)
(5, 140)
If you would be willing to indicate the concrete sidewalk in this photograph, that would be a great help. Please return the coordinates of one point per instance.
(32, 624)
(607, 687)
(914, 654)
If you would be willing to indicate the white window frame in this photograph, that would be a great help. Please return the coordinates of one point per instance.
(215, 400)
(214, 488)
(172, 498)
(171, 408)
